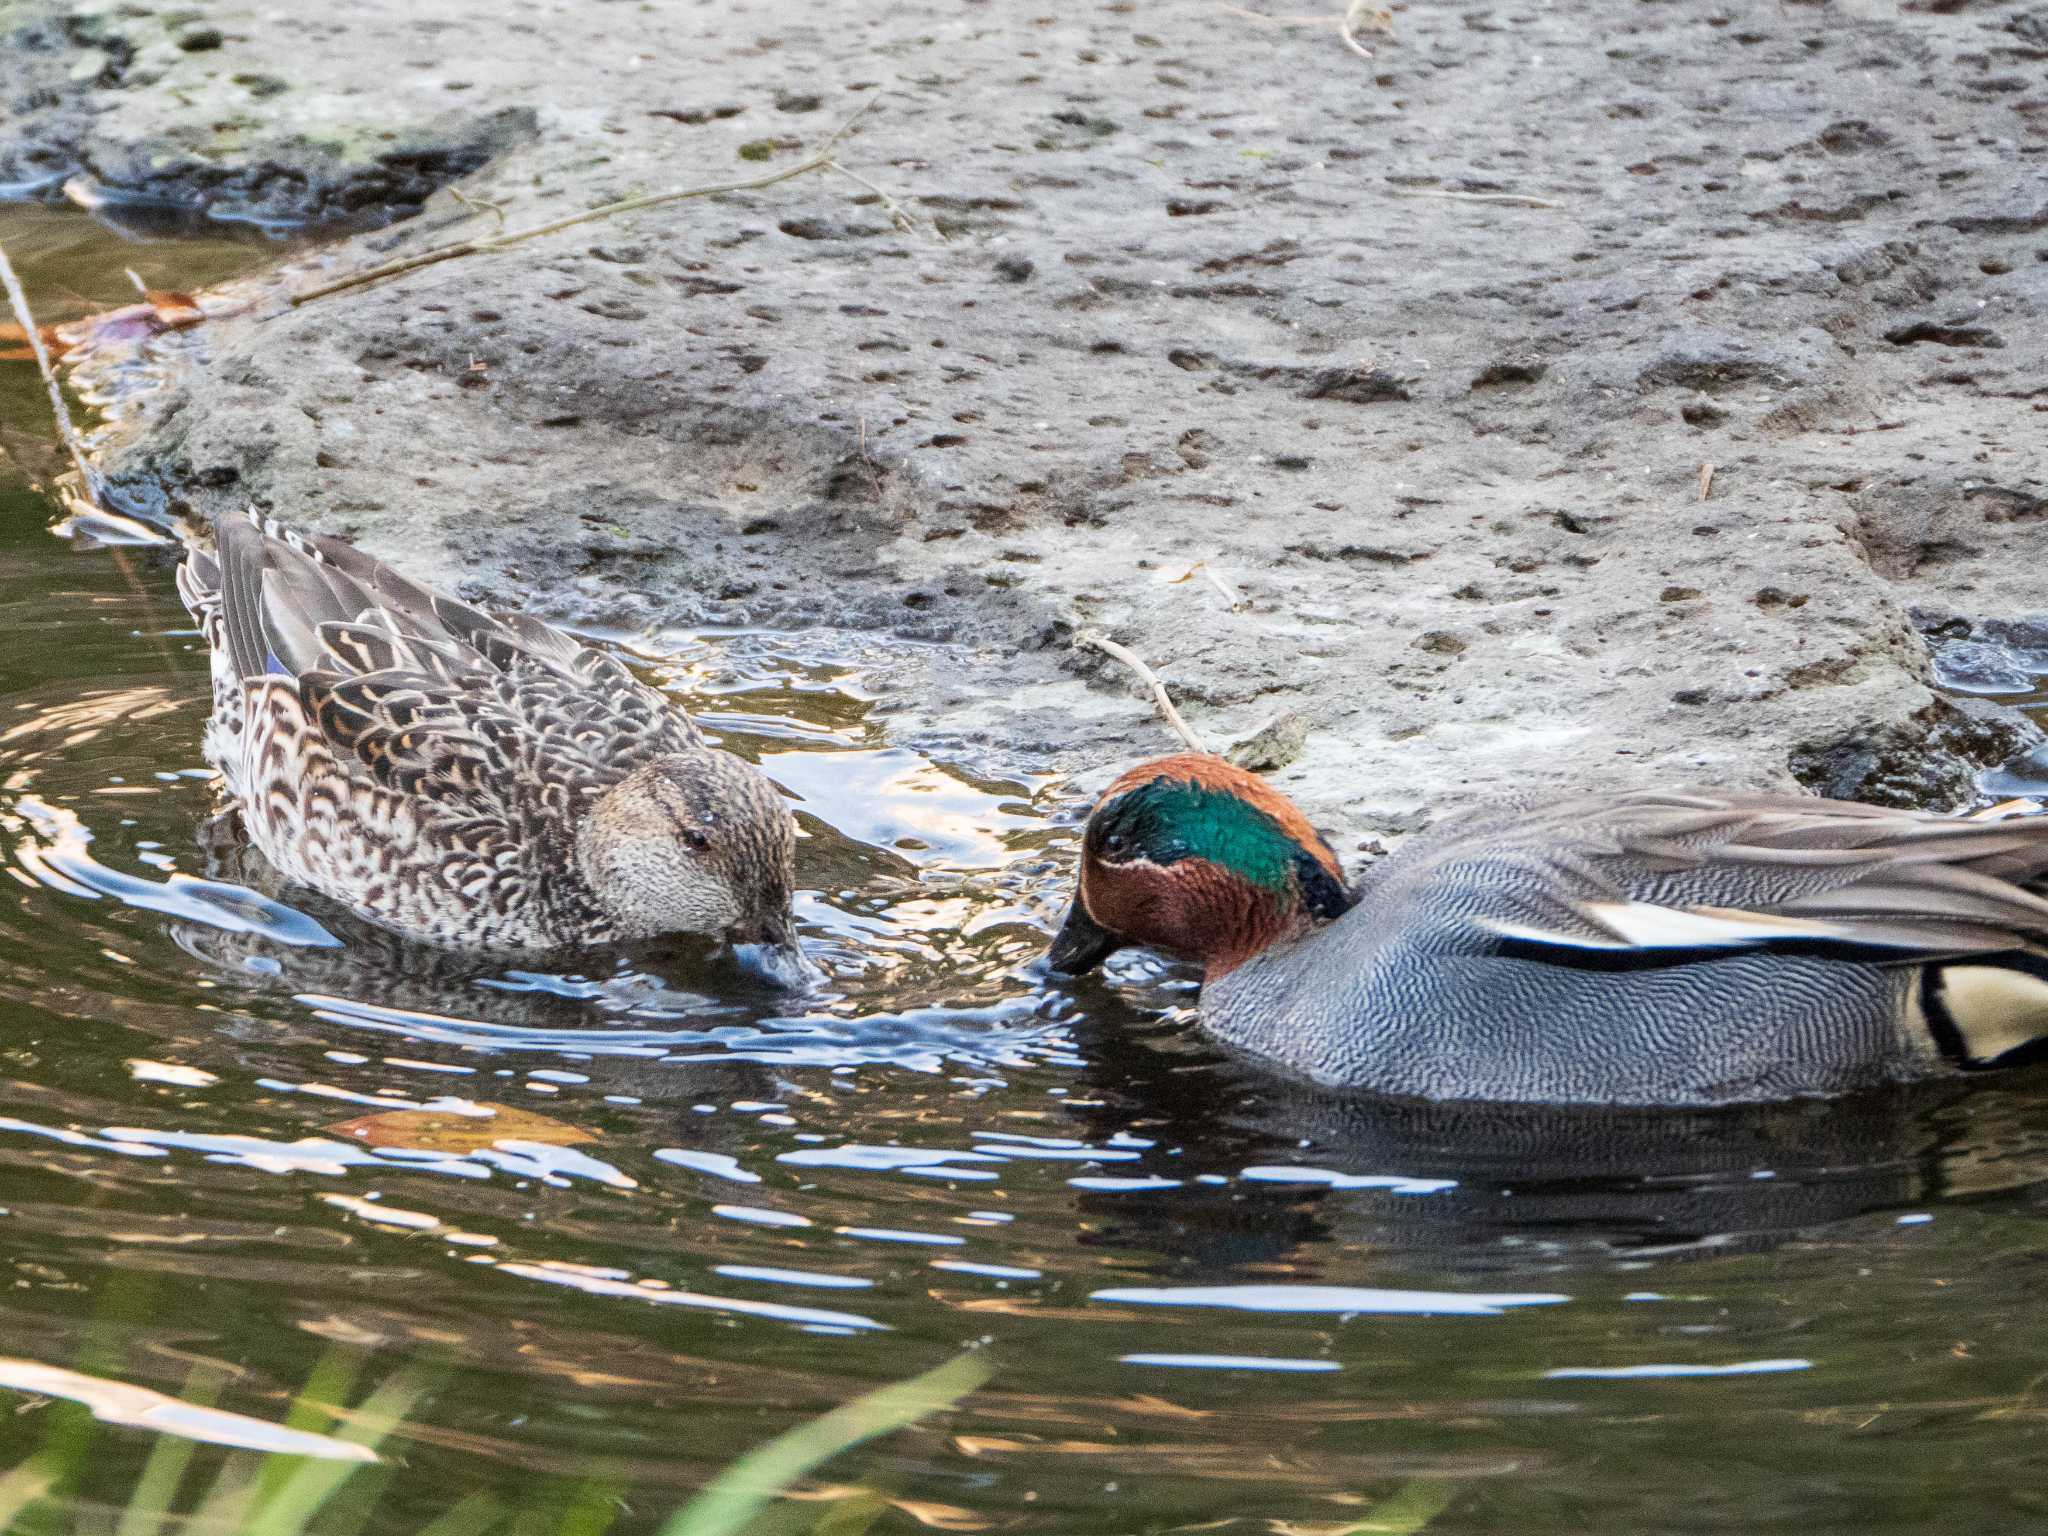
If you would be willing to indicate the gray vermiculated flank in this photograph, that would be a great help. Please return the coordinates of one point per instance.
(1415, 991)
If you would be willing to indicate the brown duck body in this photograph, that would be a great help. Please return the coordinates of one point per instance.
(1648, 949)
(463, 778)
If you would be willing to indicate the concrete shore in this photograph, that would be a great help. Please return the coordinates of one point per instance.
(1568, 395)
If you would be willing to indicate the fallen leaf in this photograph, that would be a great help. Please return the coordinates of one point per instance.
(174, 310)
(14, 347)
(131, 323)
(433, 1130)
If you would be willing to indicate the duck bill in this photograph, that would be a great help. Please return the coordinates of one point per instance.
(768, 950)
(1081, 944)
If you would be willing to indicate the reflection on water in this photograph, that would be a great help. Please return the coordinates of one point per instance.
(53, 846)
(638, 1212)
(115, 1402)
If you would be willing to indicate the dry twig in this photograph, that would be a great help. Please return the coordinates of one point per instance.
(1160, 698)
(823, 160)
(27, 320)
(1504, 199)
(900, 216)
(473, 204)
(1706, 480)
(1224, 589)
(1359, 13)
(874, 469)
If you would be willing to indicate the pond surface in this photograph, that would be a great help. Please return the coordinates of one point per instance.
(1210, 1302)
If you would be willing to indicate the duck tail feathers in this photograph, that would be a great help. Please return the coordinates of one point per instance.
(1989, 1010)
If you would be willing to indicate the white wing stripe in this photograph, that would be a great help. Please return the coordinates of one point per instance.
(1646, 925)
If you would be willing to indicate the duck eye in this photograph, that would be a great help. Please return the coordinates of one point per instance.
(696, 841)
(1116, 842)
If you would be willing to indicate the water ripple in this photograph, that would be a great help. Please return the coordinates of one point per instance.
(655, 1294)
(61, 861)
(1340, 1300)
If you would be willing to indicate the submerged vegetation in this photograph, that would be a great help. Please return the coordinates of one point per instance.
(729, 1504)
(329, 1451)
(331, 1482)
(328, 1479)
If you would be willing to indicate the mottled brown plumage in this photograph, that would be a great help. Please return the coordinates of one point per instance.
(467, 778)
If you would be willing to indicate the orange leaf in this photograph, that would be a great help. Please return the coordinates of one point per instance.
(14, 347)
(438, 1130)
(174, 311)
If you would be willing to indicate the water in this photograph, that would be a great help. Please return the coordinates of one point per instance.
(238, 1134)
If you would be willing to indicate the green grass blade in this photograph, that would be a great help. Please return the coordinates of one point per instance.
(472, 1517)
(157, 1489)
(746, 1487)
(346, 1510)
(24, 1485)
(227, 1502)
(284, 1510)
(330, 1384)
(593, 1504)
(1407, 1510)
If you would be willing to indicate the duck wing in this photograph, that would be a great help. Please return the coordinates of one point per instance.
(1658, 879)
(281, 590)
(456, 748)
(428, 694)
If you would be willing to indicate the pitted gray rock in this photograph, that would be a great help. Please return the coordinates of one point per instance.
(1424, 356)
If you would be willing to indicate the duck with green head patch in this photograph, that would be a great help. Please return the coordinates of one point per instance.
(1191, 856)
(1678, 948)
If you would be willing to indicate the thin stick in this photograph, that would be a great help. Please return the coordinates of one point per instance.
(1160, 699)
(127, 569)
(1223, 588)
(476, 204)
(898, 215)
(1706, 480)
(1506, 199)
(65, 429)
(822, 160)
(1354, 13)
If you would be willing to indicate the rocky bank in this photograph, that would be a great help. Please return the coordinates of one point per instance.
(1421, 354)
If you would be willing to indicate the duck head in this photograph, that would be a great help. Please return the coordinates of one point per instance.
(1200, 859)
(697, 842)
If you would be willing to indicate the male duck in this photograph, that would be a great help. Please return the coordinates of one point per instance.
(1682, 948)
(468, 779)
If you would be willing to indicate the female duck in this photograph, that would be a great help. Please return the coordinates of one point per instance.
(1675, 949)
(471, 780)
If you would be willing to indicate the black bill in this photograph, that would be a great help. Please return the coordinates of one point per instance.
(1081, 944)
